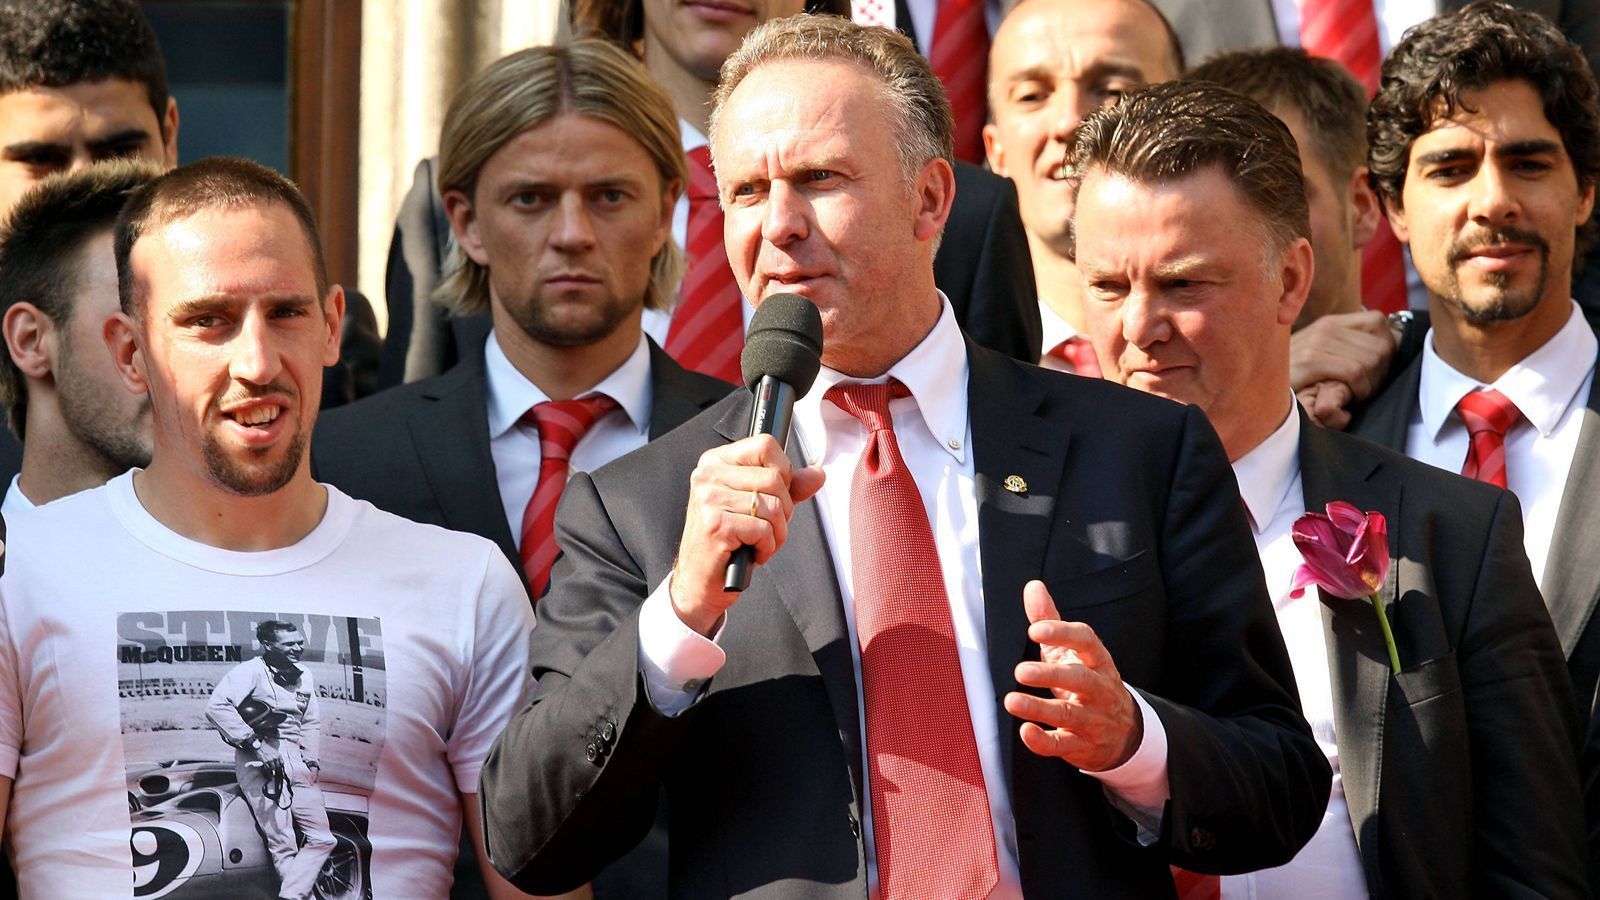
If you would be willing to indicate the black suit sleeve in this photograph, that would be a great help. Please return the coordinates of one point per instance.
(1248, 782)
(589, 794)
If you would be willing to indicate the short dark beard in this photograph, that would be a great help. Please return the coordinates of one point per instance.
(253, 482)
(1504, 306)
(96, 421)
(534, 319)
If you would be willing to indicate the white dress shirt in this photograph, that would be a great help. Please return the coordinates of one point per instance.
(935, 440)
(1329, 866)
(1394, 17)
(657, 322)
(515, 446)
(1056, 330)
(1550, 386)
(15, 500)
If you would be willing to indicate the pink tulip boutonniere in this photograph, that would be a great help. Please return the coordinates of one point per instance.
(1346, 553)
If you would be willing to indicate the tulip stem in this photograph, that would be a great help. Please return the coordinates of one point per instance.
(1388, 636)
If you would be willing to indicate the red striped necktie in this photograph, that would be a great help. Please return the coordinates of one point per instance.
(959, 55)
(561, 424)
(1488, 415)
(1077, 352)
(1347, 31)
(930, 811)
(707, 330)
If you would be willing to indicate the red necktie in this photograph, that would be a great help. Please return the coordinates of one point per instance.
(1347, 31)
(1488, 415)
(930, 812)
(1195, 886)
(561, 424)
(707, 330)
(959, 55)
(1077, 352)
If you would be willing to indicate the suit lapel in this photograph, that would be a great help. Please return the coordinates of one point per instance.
(1010, 438)
(675, 396)
(1386, 419)
(1357, 659)
(452, 441)
(1571, 583)
(802, 576)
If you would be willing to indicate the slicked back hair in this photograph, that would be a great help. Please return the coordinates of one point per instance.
(41, 251)
(217, 182)
(587, 76)
(1485, 43)
(1327, 96)
(56, 43)
(1172, 130)
(919, 111)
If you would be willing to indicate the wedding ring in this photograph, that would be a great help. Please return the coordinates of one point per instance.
(755, 504)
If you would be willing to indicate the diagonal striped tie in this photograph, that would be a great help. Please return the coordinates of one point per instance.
(959, 55)
(1488, 415)
(561, 424)
(707, 330)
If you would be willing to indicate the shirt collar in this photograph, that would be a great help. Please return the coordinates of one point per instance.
(1267, 472)
(511, 394)
(938, 387)
(691, 136)
(1056, 329)
(1543, 385)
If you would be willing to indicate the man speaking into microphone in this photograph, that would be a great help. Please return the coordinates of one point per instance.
(1017, 644)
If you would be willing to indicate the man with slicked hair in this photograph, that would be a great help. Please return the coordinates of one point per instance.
(896, 705)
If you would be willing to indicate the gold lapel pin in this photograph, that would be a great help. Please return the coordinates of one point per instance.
(1015, 484)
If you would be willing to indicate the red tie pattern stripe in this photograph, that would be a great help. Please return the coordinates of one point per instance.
(561, 424)
(960, 57)
(707, 330)
(1488, 415)
(930, 812)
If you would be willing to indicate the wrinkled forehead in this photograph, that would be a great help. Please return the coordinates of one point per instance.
(797, 106)
(1075, 37)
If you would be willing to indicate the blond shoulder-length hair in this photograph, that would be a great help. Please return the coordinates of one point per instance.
(588, 76)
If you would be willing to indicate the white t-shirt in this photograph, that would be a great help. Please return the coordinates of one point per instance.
(115, 630)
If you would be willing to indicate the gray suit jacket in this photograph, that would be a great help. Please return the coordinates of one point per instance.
(1461, 771)
(1133, 521)
(1209, 27)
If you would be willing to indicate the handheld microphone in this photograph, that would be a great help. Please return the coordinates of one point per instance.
(782, 354)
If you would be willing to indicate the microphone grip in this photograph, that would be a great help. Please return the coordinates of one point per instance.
(770, 414)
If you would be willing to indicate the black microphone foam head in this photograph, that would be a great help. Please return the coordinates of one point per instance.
(784, 341)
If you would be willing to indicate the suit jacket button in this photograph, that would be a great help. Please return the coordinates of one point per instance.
(855, 826)
(608, 731)
(592, 753)
(1201, 838)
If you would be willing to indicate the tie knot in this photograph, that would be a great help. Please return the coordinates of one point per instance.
(868, 402)
(1488, 411)
(702, 181)
(1077, 352)
(562, 423)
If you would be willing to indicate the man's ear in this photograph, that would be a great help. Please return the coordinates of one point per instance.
(1298, 268)
(30, 339)
(669, 202)
(1365, 211)
(464, 224)
(333, 312)
(993, 150)
(121, 336)
(169, 133)
(936, 191)
(1396, 214)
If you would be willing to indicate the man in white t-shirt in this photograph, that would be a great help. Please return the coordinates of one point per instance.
(127, 608)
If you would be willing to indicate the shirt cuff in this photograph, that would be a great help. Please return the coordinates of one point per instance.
(1139, 787)
(676, 660)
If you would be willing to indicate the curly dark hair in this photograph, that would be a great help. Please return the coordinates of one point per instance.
(1480, 45)
(54, 43)
(1175, 129)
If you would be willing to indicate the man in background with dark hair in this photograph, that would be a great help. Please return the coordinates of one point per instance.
(79, 427)
(1326, 111)
(1455, 771)
(1485, 149)
(982, 265)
